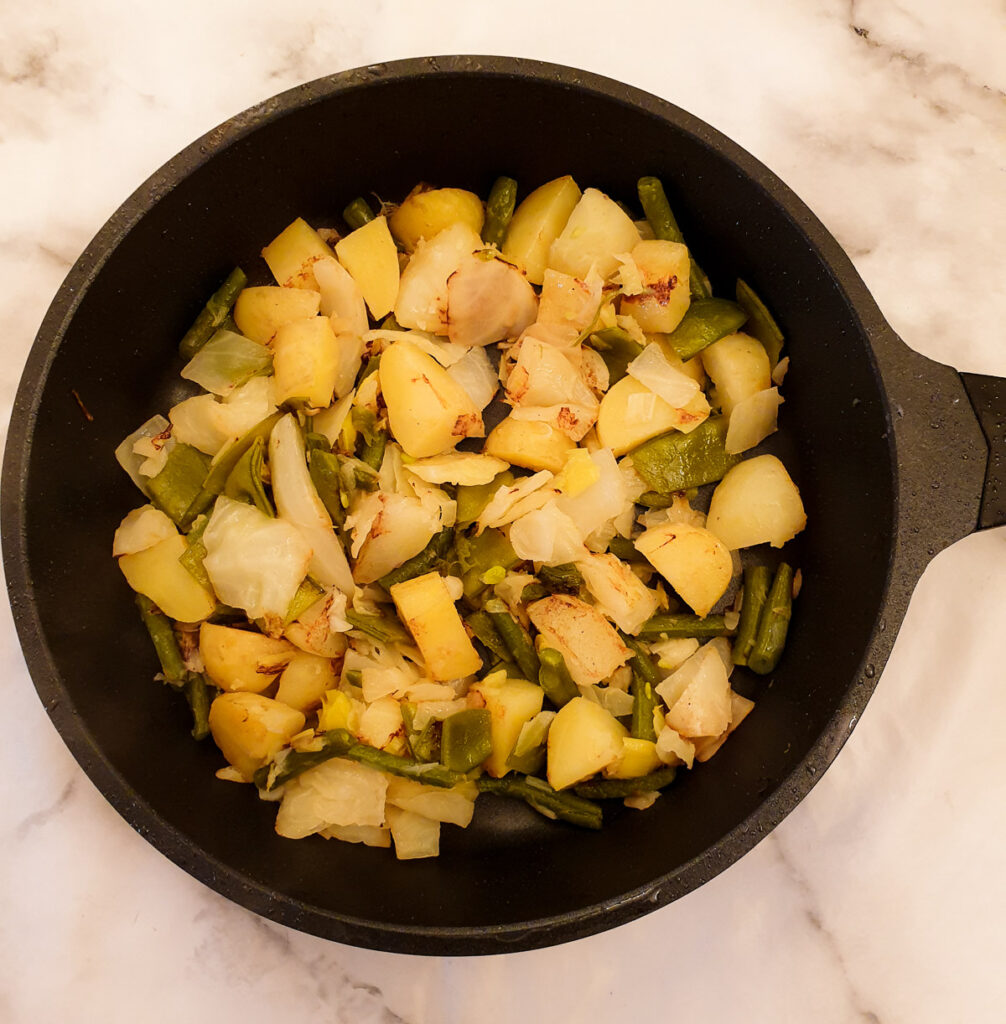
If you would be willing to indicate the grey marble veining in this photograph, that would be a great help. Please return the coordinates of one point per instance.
(881, 898)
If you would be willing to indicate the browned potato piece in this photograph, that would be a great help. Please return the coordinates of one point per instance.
(582, 635)
(249, 729)
(240, 660)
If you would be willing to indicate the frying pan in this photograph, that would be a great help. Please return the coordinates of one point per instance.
(896, 456)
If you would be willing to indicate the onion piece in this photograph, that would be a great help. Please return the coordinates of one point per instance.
(547, 535)
(127, 457)
(653, 370)
(298, 503)
(226, 361)
(752, 420)
(476, 375)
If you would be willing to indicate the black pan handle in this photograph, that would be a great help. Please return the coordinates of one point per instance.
(988, 399)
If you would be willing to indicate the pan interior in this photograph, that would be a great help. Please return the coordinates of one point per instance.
(119, 355)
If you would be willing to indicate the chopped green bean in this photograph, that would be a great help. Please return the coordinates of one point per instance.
(516, 638)
(245, 482)
(373, 451)
(423, 743)
(357, 213)
(481, 625)
(756, 584)
(675, 461)
(195, 551)
(774, 623)
(334, 743)
(645, 677)
(554, 677)
(761, 324)
(426, 561)
(706, 321)
(466, 739)
(613, 789)
(617, 348)
(476, 555)
(677, 626)
(199, 694)
(393, 764)
(307, 594)
(499, 210)
(213, 315)
(561, 579)
(532, 592)
(623, 548)
(162, 634)
(385, 628)
(544, 799)
(473, 498)
(178, 483)
(326, 476)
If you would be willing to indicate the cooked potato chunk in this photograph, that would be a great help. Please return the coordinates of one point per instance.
(239, 660)
(305, 361)
(582, 635)
(739, 367)
(664, 272)
(424, 214)
(261, 312)
(595, 231)
(511, 703)
(631, 413)
(537, 222)
(370, 256)
(531, 444)
(157, 573)
(638, 757)
(249, 729)
(756, 503)
(291, 255)
(692, 559)
(305, 678)
(427, 609)
(583, 739)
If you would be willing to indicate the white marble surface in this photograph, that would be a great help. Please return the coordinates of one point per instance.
(881, 898)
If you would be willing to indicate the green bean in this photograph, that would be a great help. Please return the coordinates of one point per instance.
(393, 764)
(532, 592)
(623, 548)
(373, 451)
(334, 743)
(307, 594)
(162, 634)
(199, 694)
(418, 565)
(661, 219)
(477, 555)
(612, 789)
(516, 638)
(213, 315)
(756, 584)
(358, 213)
(544, 799)
(678, 626)
(481, 625)
(561, 579)
(466, 739)
(761, 324)
(499, 210)
(326, 475)
(177, 484)
(223, 465)
(385, 628)
(645, 677)
(554, 677)
(706, 321)
(675, 461)
(774, 623)
(424, 743)
(371, 366)
(195, 551)
(245, 482)
(617, 348)
(316, 442)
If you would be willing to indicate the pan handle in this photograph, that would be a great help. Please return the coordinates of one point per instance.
(988, 399)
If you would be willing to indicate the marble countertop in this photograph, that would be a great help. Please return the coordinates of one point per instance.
(882, 897)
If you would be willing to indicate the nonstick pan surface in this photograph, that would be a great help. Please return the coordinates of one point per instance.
(852, 434)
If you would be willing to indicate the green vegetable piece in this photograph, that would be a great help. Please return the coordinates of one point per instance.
(371, 364)
(482, 628)
(532, 592)
(516, 638)
(561, 579)
(245, 482)
(658, 213)
(761, 324)
(193, 555)
(307, 593)
(613, 789)
(365, 422)
(499, 210)
(756, 583)
(178, 483)
(675, 461)
(645, 677)
(385, 628)
(672, 627)
(476, 555)
(617, 348)
(430, 774)
(466, 739)
(223, 465)
(544, 799)
(706, 321)
(773, 624)
(424, 743)
(162, 634)
(389, 323)
(364, 477)
(554, 677)
(214, 315)
(623, 548)
(418, 565)
(530, 752)
(473, 498)
(326, 476)
(199, 694)
(373, 451)
(651, 499)
(316, 442)
(334, 743)
(357, 213)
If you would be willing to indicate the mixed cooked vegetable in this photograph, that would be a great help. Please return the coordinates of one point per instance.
(378, 615)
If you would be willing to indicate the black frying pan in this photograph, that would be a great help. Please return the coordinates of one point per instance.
(891, 458)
